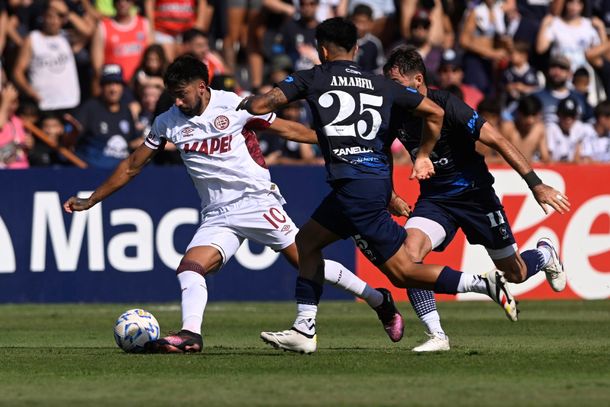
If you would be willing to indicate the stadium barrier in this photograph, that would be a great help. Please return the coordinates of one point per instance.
(126, 248)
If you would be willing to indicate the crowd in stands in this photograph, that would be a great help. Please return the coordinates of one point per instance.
(89, 73)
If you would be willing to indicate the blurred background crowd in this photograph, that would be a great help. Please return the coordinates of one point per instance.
(87, 75)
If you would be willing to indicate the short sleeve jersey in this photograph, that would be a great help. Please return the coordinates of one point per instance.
(457, 165)
(351, 111)
(106, 135)
(563, 146)
(219, 149)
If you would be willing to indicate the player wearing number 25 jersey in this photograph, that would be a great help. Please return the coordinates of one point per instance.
(351, 111)
(221, 153)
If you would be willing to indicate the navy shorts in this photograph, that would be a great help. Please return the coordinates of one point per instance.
(478, 213)
(358, 208)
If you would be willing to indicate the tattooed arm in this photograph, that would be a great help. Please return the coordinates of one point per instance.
(261, 104)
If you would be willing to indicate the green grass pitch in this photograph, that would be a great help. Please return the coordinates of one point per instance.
(64, 355)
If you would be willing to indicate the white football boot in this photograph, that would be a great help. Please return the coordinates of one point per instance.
(436, 342)
(290, 340)
(555, 274)
(497, 289)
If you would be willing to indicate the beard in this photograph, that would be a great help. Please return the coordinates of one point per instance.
(194, 111)
(556, 83)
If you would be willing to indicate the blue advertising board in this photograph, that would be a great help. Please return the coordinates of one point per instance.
(127, 247)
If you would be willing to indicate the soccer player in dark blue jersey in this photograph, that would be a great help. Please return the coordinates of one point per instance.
(351, 110)
(460, 194)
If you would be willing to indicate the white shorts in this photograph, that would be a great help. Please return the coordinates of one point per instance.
(259, 219)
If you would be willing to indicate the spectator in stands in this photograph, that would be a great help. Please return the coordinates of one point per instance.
(326, 8)
(420, 38)
(565, 136)
(556, 89)
(596, 147)
(151, 69)
(285, 152)
(298, 36)
(196, 43)
(147, 97)
(45, 70)
(581, 81)
(170, 18)
(450, 74)
(440, 30)
(107, 131)
(14, 141)
(520, 79)
(245, 31)
(370, 56)
(599, 58)
(384, 17)
(41, 155)
(3, 25)
(120, 40)
(570, 34)
(486, 41)
(490, 108)
(526, 132)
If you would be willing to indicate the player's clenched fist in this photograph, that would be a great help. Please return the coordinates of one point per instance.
(75, 204)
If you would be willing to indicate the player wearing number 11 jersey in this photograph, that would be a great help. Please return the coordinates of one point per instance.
(351, 111)
(221, 154)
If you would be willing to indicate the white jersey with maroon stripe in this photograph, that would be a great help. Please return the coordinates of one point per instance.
(219, 149)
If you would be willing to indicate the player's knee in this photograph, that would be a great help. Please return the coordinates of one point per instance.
(190, 265)
(305, 244)
(415, 252)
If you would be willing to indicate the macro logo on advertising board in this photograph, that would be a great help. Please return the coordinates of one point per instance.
(127, 247)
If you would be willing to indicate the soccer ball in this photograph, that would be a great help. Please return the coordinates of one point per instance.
(134, 328)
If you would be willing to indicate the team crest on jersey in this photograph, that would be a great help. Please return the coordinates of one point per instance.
(221, 122)
(187, 131)
(124, 126)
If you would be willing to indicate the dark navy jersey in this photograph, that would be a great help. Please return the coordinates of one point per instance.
(457, 165)
(351, 114)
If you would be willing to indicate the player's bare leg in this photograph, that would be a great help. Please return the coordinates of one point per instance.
(520, 267)
(196, 263)
(404, 273)
(418, 245)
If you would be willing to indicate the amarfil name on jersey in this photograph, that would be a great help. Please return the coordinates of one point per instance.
(352, 81)
(351, 150)
(210, 146)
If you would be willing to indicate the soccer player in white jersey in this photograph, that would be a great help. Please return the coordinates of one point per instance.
(221, 153)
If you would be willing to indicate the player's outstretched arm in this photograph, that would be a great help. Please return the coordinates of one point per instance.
(262, 104)
(544, 194)
(293, 131)
(124, 172)
(433, 116)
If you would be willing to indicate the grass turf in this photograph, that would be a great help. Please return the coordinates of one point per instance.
(557, 354)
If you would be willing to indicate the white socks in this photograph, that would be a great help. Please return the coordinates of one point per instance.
(336, 274)
(432, 321)
(471, 283)
(305, 321)
(194, 300)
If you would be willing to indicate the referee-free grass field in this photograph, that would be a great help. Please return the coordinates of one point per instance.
(64, 355)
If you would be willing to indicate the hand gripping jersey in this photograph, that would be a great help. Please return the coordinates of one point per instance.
(351, 112)
(457, 165)
(219, 149)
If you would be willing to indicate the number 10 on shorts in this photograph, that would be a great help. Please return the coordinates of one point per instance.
(277, 219)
